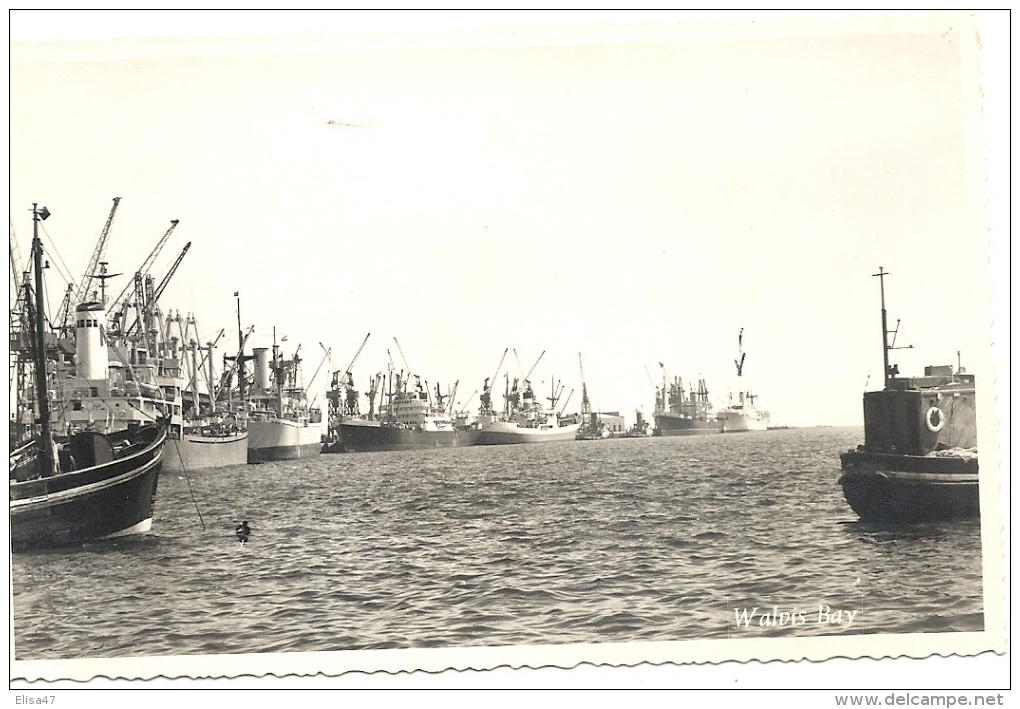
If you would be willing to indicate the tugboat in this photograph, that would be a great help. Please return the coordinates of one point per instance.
(86, 486)
(919, 460)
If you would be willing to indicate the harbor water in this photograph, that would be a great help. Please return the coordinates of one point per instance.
(650, 539)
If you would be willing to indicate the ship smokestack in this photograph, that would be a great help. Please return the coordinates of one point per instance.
(90, 340)
(261, 356)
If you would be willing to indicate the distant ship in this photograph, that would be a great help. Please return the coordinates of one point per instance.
(215, 431)
(281, 425)
(410, 420)
(679, 412)
(523, 419)
(919, 460)
(744, 415)
(409, 417)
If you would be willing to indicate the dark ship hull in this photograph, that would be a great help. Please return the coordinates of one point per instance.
(113, 492)
(363, 436)
(909, 488)
(675, 425)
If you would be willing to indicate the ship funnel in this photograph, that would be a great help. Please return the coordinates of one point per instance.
(261, 355)
(90, 340)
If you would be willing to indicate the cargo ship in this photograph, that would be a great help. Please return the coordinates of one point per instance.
(130, 368)
(919, 459)
(523, 419)
(409, 416)
(411, 419)
(281, 425)
(679, 412)
(744, 415)
(215, 431)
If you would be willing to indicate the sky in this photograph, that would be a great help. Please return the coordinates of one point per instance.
(632, 189)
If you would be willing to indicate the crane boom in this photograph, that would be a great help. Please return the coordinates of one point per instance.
(567, 402)
(401, 351)
(467, 403)
(528, 375)
(498, 366)
(97, 256)
(166, 279)
(18, 275)
(147, 264)
(356, 354)
(327, 355)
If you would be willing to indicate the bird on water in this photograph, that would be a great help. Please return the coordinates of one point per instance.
(242, 531)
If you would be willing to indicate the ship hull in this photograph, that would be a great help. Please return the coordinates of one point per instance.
(109, 500)
(736, 421)
(502, 433)
(280, 439)
(666, 425)
(365, 436)
(886, 487)
(194, 452)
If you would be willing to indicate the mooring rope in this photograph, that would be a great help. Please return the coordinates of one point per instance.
(188, 478)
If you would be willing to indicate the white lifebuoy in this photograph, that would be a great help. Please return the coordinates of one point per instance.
(935, 420)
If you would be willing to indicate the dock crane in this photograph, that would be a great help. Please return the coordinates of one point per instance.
(660, 398)
(151, 295)
(349, 405)
(97, 255)
(486, 395)
(348, 376)
(451, 396)
(669, 387)
(207, 364)
(237, 360)
(586, 417)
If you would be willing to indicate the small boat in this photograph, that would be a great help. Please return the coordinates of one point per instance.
(919, 460)
(90, 485)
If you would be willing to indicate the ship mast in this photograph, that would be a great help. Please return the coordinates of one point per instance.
(47, 465)
(240, 351)
(890, 370)
(885, 329)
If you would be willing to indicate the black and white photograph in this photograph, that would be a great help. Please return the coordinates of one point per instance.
(376, 342)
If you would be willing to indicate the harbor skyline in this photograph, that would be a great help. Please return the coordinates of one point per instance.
(639, 201)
